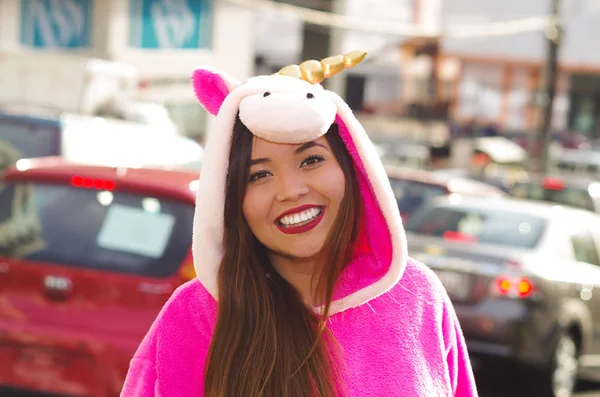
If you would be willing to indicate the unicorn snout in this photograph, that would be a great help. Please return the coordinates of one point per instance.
(293, 116)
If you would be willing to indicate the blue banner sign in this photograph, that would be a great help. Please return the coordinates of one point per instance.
(56, 23)
(170, 24)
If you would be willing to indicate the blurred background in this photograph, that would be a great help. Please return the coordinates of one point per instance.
(485, 114)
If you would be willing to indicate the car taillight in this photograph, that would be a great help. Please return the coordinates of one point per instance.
(550, 183)
(187, 271)
(512, 284)
(460, 237)
(92, 183)
(519, 287)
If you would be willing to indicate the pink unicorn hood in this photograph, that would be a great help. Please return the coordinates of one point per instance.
(394, 324)
(285, 109)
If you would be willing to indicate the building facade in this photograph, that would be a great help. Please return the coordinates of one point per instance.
(499, 75)
(486, 79)
(164, 39)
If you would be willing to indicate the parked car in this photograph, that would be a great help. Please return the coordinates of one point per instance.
(43, 133)
(413, 188)
(88, 256)
(524, 278)
(579, 192)
(502, 178)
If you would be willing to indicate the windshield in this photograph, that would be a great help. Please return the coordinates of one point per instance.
(573, 197)
(476, 225)
(411, 195)
(103, 230)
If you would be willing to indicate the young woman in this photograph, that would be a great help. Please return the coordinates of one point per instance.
(304, 286)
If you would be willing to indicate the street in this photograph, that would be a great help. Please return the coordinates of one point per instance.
(487, 388)
(509, 388)
(498, 389)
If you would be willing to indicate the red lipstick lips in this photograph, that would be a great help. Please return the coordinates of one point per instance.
(302, 228)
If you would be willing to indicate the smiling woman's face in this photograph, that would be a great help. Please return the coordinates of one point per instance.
(293, 196)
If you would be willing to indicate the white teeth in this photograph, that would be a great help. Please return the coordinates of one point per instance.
(304, 216)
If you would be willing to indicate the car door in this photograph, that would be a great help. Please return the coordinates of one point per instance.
(584, 244)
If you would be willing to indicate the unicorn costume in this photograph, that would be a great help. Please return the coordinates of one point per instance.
(397, 329)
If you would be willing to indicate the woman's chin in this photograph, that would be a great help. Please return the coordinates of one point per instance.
(301, 252)
(305, 250)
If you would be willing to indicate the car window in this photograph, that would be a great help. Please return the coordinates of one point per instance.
(476, 225)
(7, 193)
(104, 230)
(411, 195)
(28, 138)
(573, 197)
(584, 248)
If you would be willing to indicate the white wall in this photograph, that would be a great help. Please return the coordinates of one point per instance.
(232, 48)
(383, 89)
(400, 11)
(480, 92)
(287, 30)
(431, 14)
(10, 11)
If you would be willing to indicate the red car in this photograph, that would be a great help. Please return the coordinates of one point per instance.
(88, 256)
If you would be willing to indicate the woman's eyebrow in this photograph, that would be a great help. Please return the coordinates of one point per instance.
(308, 145)
(259, 161)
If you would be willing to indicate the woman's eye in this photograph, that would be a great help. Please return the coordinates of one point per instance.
(258, 175)
(312, 160)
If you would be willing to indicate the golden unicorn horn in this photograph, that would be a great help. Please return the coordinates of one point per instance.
(314, 71)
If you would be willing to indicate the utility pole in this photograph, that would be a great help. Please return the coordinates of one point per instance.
(545, 98)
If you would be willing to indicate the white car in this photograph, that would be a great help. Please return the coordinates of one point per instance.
(524, 278)
(95, 140)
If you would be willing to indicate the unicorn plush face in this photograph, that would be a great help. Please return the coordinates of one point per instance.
(292, 112)
(284, 109)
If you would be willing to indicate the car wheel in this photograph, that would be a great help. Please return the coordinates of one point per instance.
(562, 375)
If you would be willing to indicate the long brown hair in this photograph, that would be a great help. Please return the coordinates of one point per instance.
(267, 342)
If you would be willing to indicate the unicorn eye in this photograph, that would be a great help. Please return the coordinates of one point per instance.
(266, 94)
(310, 95)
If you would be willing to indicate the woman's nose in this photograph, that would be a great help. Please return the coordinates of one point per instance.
(291, 188)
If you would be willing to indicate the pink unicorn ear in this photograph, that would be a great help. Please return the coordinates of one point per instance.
(212, 87)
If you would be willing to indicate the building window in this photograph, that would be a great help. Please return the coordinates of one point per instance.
(584, 112)
(56, 24)
(170, 24)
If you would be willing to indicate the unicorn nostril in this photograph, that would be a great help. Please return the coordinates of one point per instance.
(266, 94)
(310, 96)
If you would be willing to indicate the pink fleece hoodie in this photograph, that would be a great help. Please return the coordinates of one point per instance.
(397, 329)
